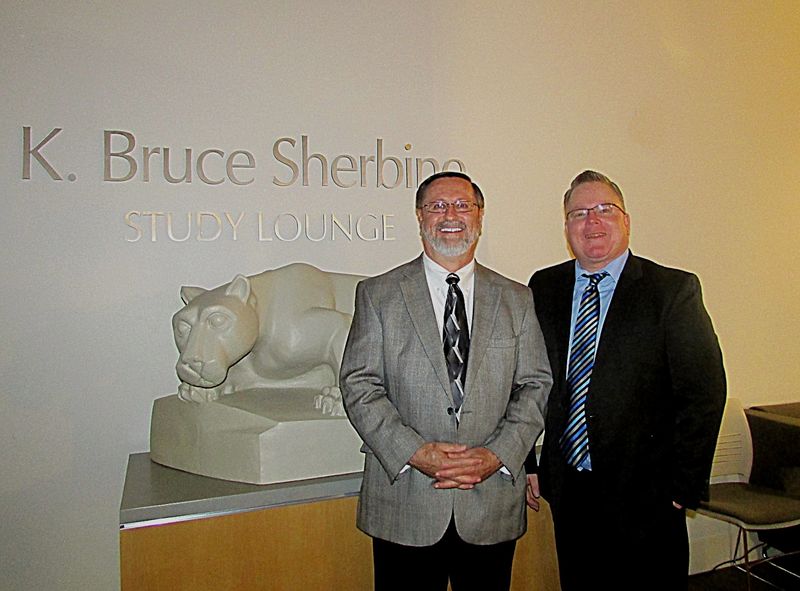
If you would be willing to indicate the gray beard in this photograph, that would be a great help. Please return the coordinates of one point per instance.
(451, 249)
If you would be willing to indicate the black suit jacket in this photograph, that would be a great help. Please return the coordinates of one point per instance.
(657, 390)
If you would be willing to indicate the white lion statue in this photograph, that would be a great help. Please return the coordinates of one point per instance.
(283, 328)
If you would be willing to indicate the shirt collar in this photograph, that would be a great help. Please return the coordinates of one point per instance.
(614, 268)
(432, 268)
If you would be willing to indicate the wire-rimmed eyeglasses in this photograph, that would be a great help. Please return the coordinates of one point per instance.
(443, 206)
(601, 210)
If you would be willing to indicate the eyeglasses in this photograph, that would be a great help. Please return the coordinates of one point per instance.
(443, 206)
(601, 210)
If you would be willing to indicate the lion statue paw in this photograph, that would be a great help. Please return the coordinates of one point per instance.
(330, 402)
(189, 393)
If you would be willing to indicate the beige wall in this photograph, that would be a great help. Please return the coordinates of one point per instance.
(691, 106)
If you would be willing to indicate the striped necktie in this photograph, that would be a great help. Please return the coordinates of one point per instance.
(575, 439)
(456, 339)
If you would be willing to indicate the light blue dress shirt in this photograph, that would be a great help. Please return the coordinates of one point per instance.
(606, 288)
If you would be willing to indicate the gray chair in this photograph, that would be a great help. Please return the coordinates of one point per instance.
(736, 499)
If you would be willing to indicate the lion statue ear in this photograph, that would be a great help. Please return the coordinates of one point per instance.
(239, 288)
(188, 293)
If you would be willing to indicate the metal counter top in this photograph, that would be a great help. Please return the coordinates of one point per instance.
(154, 494)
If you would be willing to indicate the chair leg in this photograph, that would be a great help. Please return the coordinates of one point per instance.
(743, 533)
(741, 539)
(767, 560)
(786, 573)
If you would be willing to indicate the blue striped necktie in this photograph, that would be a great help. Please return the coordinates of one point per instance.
(575, 439)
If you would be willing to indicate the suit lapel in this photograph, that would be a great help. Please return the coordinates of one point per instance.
(486, 299)
(414, 288)
(564, 299)
(624, 294)
(562, 303)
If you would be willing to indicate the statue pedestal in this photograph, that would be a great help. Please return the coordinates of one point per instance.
(257, 436)
(176, 528)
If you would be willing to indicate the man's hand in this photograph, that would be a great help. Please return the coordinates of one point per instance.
(532, 492)
(432, 457)
(466, 468)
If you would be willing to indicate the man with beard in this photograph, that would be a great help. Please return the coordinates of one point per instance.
(445, 377)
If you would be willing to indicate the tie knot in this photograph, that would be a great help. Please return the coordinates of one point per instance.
(452, 279)
(594, 278)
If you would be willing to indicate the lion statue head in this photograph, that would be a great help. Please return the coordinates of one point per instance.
(214, 331)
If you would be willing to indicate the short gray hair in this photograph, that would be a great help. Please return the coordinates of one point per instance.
(420, 197)
(591, 176)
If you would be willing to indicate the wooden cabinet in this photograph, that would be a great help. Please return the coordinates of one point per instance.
(181, 531)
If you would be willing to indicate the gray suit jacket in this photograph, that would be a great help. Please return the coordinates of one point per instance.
(397, 395)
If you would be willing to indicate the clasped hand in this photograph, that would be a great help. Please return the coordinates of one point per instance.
(454, 465)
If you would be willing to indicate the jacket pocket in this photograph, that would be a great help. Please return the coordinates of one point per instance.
(502, 343)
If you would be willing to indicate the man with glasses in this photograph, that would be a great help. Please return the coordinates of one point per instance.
(637, 400)
(445, 377)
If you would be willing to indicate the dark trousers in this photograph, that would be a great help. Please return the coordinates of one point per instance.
(428, 568)
(626, 550)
